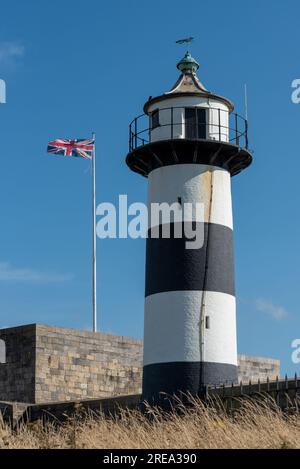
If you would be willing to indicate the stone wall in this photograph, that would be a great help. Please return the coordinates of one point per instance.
(254, 368)
(53, 364)
(75, 364)
(17, 373)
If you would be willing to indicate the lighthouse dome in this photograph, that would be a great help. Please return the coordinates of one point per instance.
(188, 110)
(188, 63)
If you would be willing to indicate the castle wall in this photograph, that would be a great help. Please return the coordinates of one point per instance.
(254, 368)
(52, 364)
(17, 367)
(76, 364)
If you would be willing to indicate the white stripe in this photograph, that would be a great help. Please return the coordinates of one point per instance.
(172, 327)
(192, 182)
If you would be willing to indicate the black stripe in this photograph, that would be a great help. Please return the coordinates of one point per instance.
(184, 377)
(172, 267)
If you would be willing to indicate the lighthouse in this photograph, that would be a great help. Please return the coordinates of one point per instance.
(188, 144)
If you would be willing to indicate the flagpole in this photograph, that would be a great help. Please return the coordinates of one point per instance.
(94, 259)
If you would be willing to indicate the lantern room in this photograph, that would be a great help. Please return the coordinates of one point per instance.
(188, 110)
(188, 124)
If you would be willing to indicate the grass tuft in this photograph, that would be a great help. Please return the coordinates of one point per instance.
(256, 424)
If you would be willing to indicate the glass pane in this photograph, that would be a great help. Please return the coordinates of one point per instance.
(190, 123)
(195, 123)
(154, 119)
(201, 114)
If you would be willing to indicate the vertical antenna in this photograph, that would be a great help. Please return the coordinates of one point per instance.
(246, 101)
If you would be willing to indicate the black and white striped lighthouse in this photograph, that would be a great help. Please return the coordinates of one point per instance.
(188, 144)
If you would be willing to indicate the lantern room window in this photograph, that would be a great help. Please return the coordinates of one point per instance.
(195, 122)
(155, 119)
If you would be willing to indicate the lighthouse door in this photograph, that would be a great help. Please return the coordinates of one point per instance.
(195, 122)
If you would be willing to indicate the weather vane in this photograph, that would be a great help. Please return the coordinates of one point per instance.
(185, 40)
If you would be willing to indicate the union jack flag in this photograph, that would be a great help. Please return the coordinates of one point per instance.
(76, 147)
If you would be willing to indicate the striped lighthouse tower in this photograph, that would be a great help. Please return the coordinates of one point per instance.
(189, 143)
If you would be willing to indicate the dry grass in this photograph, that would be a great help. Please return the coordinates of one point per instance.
(254, 425)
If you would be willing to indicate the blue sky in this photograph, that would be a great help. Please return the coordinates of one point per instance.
(74, 67)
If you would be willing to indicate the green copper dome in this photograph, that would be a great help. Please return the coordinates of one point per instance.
(188, 64)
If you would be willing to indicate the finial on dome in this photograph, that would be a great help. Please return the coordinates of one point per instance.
(188, 64)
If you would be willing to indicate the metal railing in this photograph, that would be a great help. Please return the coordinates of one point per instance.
(284, 391)
(236, 132)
